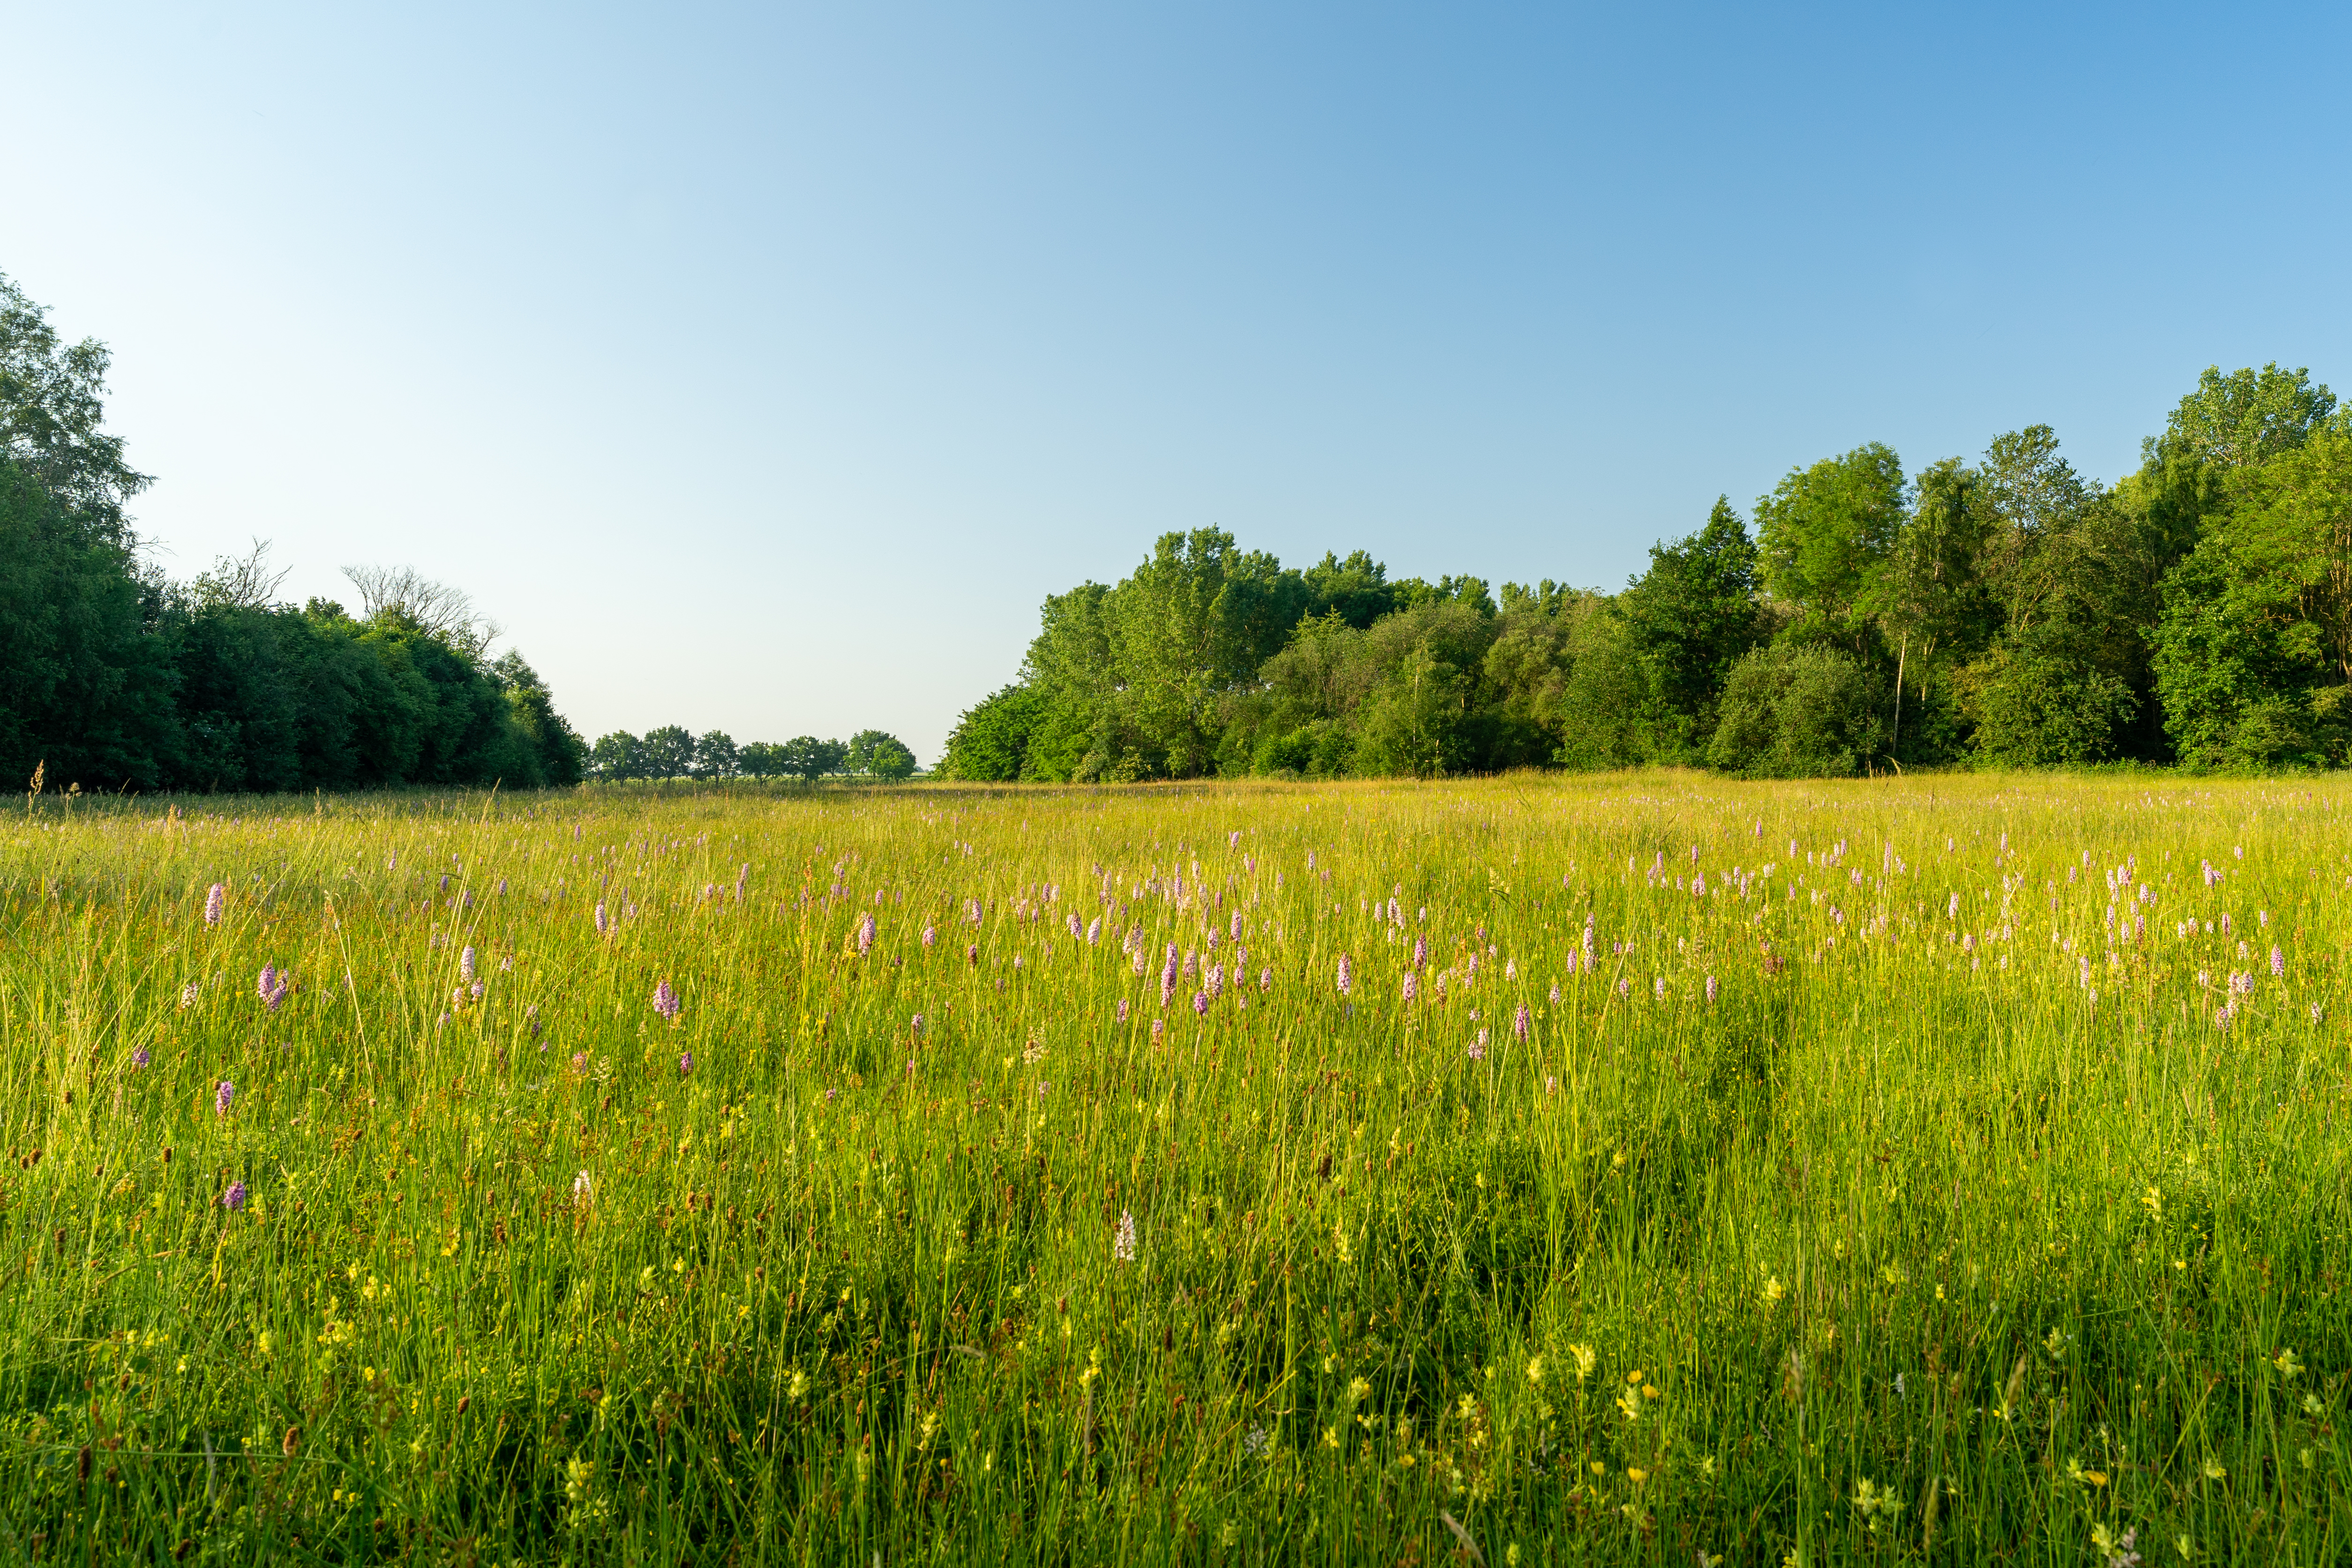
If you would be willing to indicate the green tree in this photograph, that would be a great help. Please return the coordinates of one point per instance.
(2253, 655)
(616, 757)
(669, 752)
(1690, 618)
(1298, 717)
(1824, 533)
(880, 757)
(990, 743)
(457, 717)
(2073, 584)
(1356, 589)
(1072, 668)
(2041, 698)
(563, 755)
(1421, 711)
(807, 759)
(714, 756)
(86, 677)
(2246, 417)
(52, 398)
(1194, 622)
(1932, 605)
(2227, 423)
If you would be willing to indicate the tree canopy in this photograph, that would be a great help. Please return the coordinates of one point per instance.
(2005, 610)
(113, 676)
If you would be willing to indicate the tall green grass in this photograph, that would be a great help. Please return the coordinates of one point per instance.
(1954, 1227)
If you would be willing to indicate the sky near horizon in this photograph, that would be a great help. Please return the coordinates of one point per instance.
(764, 367)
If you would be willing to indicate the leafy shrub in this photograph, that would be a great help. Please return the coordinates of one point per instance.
(2038, 700)
(1793, 711)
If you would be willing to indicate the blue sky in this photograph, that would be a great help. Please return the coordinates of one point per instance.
(761, 369)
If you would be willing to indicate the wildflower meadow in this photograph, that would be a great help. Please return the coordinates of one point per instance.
(1637, 1168)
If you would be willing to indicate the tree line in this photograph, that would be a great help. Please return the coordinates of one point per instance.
(113, 676)
(673, 752)
(2008, 610)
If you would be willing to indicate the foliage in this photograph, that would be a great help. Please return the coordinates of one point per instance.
(111, 678)
(1796, 710)
(672, 752)
(621, 756)
(2009, 611)
(669, 752)
(1825, 532)
(715, 755)
(86, 680)
(1689, 619)
(2253, 656)
(990, 744)
(807, 759)
(52, 398)
(563, 755)
(883, 757)
(2041, 698)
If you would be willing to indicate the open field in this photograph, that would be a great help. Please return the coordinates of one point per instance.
(1632, 1169)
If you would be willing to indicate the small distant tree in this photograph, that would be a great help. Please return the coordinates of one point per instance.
(618, 757)
(669, 752)
(877, 756)
(715, 755)
(760, 760)
(809, 759)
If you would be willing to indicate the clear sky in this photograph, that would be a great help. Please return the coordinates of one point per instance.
(762, 368)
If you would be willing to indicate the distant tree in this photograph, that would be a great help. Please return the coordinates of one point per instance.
(991, 741)
(1824, 531)
(51, 400)
(1420, 713)
(875, 755)
(714, 756)
(618, 757)
(760, 760)
(563, 755)
(808, 759)
(2253, 656)
(2245, 417)
(670, 753)
(1690, 618)
(2040, 697)
(116, 676)
(88, 680)
(1356, 589)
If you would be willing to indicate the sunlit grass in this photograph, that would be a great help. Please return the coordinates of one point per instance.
(1921, 1190)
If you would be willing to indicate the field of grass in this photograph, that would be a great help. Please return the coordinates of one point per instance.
(1632, 1169)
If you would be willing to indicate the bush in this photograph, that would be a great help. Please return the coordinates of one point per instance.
(2039, 700)
(1322, 749)
(991, 741)
(1791, 711)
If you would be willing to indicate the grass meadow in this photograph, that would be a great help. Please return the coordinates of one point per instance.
(1537, 1170)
